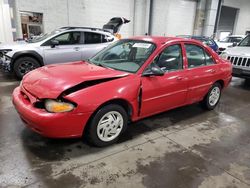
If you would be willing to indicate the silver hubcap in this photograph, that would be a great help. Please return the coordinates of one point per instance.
(110, 126)
(214, 96)
(25, 67)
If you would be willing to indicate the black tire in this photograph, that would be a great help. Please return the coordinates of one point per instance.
(91, 132)
(206, 104)
(23, 65)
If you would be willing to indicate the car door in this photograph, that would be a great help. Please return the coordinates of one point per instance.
(160, 93)
(68, 48)
(93, 43)
(202, 71)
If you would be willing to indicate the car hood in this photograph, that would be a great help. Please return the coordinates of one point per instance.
(52, 80)
(238, 51)
(15, 45)
(224, 44)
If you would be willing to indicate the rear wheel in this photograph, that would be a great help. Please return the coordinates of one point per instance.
(24, 65)
(107, 125)
(212, 98)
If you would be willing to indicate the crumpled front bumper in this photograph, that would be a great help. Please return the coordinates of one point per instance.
(53, 125)
(5, 64)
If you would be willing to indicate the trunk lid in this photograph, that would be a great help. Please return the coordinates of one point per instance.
(114, 24)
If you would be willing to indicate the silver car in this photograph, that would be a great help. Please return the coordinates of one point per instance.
(66, 44)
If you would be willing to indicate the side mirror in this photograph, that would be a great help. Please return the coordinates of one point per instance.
(54, 43)
(234, 44)
(153, 71)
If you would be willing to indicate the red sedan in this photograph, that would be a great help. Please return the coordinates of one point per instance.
(130, 80)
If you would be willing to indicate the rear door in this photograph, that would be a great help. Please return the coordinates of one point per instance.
(202, 71)
(160, 93)
(94, 42)
(68, 48)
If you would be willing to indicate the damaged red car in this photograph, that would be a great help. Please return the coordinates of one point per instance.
(129, 80)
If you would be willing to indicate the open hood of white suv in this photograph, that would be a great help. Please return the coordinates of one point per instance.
(239, 51)
(15, 45)
(224, 44)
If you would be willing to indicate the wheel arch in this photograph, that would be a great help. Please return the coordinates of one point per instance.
(119, 101)
(221, 82)
(27, 53)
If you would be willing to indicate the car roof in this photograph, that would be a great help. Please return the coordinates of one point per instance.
(75, 28)
(159, 40)
(200, 37)
(194, 37)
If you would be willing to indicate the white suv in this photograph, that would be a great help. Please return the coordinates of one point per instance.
(229, 41)
(240, 58)
(66, 44)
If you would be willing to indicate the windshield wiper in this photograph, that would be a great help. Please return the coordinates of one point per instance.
(98, 64)
(102, 65)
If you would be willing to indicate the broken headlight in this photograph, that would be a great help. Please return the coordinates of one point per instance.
(56, 106)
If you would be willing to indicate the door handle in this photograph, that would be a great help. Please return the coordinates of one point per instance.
(76, 48)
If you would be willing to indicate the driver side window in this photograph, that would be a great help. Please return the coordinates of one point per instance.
(170, 59)
(69, 38)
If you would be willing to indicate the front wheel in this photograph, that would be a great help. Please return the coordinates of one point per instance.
(212, 98)
(24, 65)
(107, 125)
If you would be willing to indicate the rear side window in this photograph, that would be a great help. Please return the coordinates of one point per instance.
(209, 59)
(197, 57)
(92, 38)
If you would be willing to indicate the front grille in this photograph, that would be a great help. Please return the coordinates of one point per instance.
(239, 61)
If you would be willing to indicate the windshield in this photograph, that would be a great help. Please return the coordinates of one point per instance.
(231, 39)
(245, 41)
(43, 37)
(124, 55)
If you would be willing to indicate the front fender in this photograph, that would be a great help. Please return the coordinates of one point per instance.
(91, 98)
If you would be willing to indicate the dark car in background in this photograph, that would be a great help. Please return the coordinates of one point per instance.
(205, 40)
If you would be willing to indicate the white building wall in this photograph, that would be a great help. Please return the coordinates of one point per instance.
(210, 17)
(173, 17)
(170, 17)
(93, 13)
(5, 22)
(141, 17)
(242, 23)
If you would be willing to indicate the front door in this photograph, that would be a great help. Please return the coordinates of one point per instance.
(68, 48)
(160, 93)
